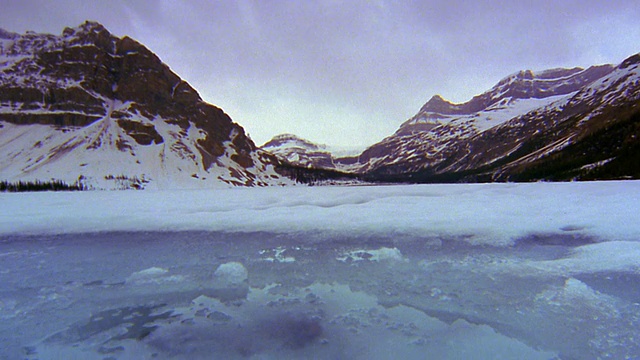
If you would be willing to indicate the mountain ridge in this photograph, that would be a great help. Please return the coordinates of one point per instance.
(524, 139)
(529, 119)
(123, 109)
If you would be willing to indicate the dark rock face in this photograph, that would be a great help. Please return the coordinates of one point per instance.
(144, 134)
(87, 75)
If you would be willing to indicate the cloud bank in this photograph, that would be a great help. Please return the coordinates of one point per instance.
(348, 72)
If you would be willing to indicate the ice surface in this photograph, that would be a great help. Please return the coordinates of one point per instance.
(500, 271)
(495, 214)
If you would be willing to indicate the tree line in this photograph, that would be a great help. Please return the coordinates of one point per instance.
(38, 185)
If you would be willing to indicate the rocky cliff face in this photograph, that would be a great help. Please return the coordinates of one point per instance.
(90, 105)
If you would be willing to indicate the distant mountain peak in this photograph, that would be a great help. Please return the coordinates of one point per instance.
(558, 124)
(291, 140)
(86, 27)
(523, 75)
(556, 73)
(437, 104)
(299, 151)
(91, 25)
(630, 61)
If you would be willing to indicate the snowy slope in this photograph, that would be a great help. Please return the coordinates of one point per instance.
(102, 156)
(494, 115)
(104, 111)
(413, 147)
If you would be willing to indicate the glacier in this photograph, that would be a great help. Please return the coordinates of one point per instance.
(483, 271)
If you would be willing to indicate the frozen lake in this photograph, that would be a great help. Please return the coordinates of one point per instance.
(499, 271)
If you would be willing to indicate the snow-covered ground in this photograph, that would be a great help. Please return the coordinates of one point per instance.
(484, 271)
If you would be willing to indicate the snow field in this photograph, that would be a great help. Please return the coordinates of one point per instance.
(491, 214)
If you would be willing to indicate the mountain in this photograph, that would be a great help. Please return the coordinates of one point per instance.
(299, 151)
(104, 111)
(569, 124)
(558, 124)
(429, 137)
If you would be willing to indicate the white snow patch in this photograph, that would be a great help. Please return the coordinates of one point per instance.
(495, 115)
(606, 256)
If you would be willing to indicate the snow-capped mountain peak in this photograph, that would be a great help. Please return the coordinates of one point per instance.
(525, 84)
(515, 94)
(299, 151)
(290, 140)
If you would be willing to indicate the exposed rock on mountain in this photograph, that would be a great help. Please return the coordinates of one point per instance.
(522, 85)
(105, 110)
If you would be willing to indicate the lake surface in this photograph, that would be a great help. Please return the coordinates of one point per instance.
(157, 295)
(413, 272)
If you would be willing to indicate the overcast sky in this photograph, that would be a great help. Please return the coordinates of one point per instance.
(347, 72)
